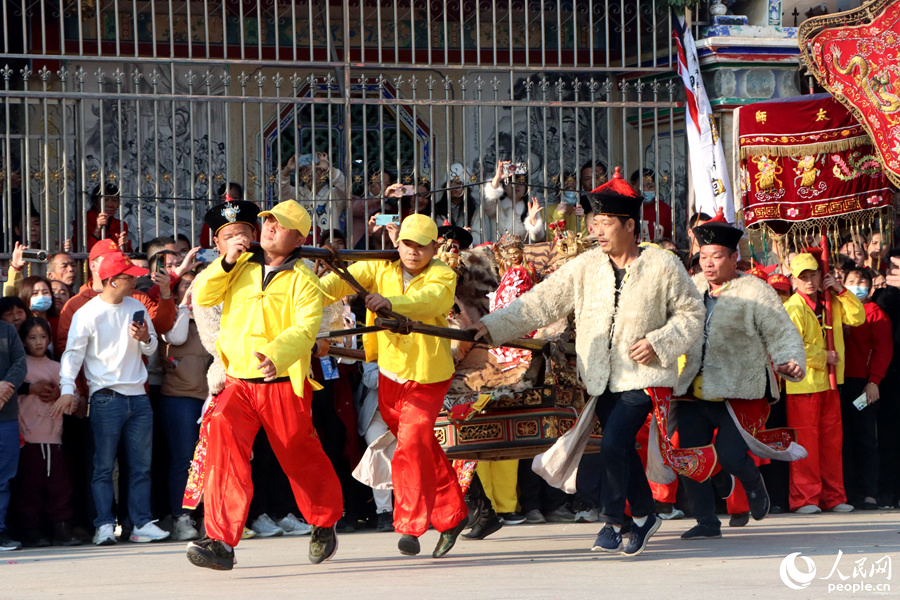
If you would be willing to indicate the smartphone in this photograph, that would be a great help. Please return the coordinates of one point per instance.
(159, 265)
(409, 190)
(138, 317)
(305, 160)
(387, 219)
(207, 255)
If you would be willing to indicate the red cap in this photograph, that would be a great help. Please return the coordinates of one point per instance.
(758, 271)
(118, 264)
(779, 282)
(102, 248)
(616, 185)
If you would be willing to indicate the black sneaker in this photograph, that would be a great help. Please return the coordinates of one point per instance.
(759, 501)
(512, 518)
(322, 544)
(608, 540)
(385, 521)
(739, 520)
(211, 554)
(7, 543)
(702, 532)
(448, 539)
(34, 539)
(408, 545)
(345, 525)
(488, 524)
(63, 535)
(637, 541)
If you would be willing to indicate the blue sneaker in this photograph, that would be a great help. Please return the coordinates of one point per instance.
(608, 540)
(637, 541)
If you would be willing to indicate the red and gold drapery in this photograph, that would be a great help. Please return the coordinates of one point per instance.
(855, 55)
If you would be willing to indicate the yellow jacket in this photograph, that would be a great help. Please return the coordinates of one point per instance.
(280, 321)
(428, 298)
(846, 310)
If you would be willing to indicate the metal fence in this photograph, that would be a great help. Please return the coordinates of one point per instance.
(172, 101)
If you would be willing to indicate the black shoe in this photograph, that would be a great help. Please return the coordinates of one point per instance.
(869, 505)
(210, 554)
(512, 518)
(702, 532)
(7, 543)
(34, 539)
(448, 539)
(408, 545)
(385, 522)
(63, 536)
(640, 535)
(723, 483)
(488, 524)
(608, 540)
(345, 525)
(323, 544)
(739, 520)
(776, 510)
(759, 501)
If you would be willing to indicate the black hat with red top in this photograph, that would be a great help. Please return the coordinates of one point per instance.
(616, 198)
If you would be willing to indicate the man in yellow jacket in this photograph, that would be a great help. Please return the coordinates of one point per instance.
(271, 311)
(813, 408)
(415, 374)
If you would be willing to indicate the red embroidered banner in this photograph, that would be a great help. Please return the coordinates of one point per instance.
(854, 55)
(806, 158)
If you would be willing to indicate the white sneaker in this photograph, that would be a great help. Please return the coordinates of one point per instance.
(841, 508)
(675, 514)
(591, 515)
(809, 509)
(264, 526)
(184, 529)
(148, 533)
(294, 526)
(105, 535)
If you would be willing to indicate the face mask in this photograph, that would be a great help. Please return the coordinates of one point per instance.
(41, 303)
(570, 197)
(649, 196)
(860, 291)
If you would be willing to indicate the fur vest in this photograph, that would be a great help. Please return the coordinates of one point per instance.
(207, 320)
(657, 302)
(748, 326)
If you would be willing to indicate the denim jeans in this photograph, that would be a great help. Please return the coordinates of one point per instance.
(9, 463)
(179, 418)
(622, 477)
(115, 416)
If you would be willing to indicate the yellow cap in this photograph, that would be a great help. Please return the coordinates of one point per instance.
(419, 229)
(291, 216)
(803, 262)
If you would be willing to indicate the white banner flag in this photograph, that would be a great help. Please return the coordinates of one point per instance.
(709, 171)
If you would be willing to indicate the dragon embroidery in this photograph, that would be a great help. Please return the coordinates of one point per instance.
(877, 88)
(859, 164)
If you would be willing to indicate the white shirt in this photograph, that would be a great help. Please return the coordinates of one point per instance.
(99, 340)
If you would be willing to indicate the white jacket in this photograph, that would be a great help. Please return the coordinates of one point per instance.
(657, 302)
(748, 326)
(503, 216)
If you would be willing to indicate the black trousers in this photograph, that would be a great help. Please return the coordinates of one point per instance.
(860, 450)
(697, 424)
(622, 477)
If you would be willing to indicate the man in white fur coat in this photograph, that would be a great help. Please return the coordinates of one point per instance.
(636, 312)
(728, 368)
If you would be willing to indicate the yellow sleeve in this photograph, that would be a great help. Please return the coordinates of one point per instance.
(853, 313)
(215, 281)
(816, 357)
(298, 339)
(11, 286)
(334, 288)
(434, 299)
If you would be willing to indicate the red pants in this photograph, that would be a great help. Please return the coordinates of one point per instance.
(241, 408)
(817, 479)
(426, 489)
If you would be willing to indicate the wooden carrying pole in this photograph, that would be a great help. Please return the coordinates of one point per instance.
(829, 317)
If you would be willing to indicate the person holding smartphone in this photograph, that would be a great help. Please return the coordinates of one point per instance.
(109, 336)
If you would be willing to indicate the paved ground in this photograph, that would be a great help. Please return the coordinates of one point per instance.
(525, 561)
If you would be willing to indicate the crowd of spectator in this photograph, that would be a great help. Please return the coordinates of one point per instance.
(64, 487)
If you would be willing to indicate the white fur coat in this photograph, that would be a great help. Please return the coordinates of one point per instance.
(657, 302)
(748, 326)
